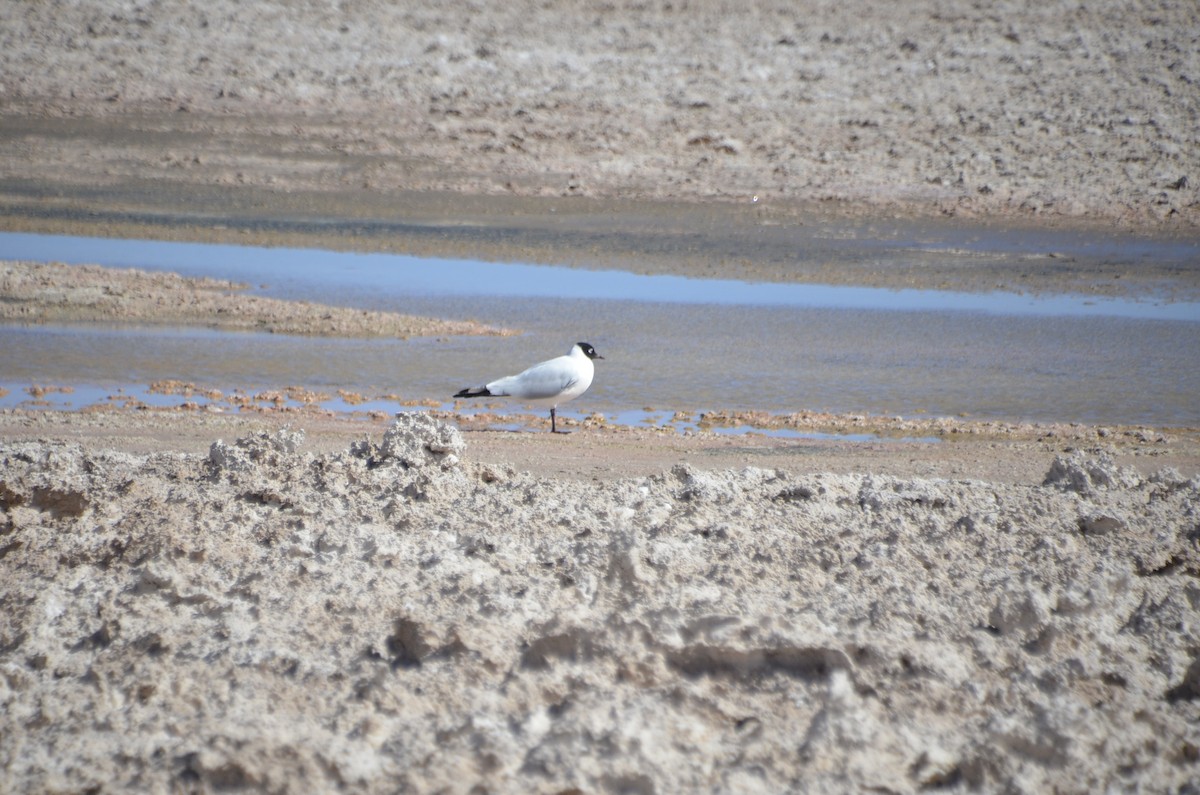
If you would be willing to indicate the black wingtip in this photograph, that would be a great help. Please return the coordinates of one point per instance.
(473, 391)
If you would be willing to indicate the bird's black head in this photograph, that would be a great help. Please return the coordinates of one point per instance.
(588, 350)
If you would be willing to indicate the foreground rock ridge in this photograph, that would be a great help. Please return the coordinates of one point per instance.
(397, 617)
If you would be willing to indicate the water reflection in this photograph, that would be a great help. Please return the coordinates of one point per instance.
(669, 343)
(349, 277)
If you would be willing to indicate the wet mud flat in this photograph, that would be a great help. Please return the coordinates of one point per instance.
(746, 238)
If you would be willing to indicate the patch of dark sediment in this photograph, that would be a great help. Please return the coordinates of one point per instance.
(396, 614)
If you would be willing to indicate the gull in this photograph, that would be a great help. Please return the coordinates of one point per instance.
(546, 384)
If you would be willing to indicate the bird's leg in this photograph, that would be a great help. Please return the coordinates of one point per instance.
(554, 429)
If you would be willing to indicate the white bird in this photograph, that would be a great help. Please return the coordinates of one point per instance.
(546, 384)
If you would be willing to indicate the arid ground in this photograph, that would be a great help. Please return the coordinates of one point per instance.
(291, 601)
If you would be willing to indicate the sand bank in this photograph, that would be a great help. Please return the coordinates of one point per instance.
(32, 292)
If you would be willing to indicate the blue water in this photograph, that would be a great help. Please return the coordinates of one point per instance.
(670, 342)
(368, 278)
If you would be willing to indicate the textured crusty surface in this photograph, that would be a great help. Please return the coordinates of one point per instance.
(1055, 109)
(396, 616)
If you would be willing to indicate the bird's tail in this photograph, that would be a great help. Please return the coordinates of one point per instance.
(473, 391)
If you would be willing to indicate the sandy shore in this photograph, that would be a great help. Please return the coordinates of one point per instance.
(287, 601)
(595, 450)
(32, 292)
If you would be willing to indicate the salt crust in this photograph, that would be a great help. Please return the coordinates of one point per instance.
(398, 618)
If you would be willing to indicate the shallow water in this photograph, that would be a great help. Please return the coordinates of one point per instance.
(377, 280)
(669, 342)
